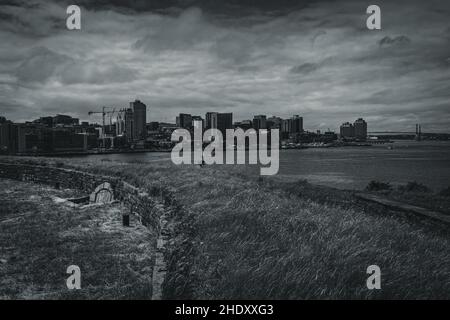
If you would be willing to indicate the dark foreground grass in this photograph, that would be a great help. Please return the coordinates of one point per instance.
(241, 236)
(39, 239)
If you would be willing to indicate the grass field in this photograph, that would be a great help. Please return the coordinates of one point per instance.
(40, 238)
(239, 236)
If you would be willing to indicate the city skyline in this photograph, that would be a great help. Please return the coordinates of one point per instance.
(119, 121)
(314, 58)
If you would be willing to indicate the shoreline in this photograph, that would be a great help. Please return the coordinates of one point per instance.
(291, 146)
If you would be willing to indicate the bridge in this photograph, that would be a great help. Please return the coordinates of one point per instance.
(417, 133)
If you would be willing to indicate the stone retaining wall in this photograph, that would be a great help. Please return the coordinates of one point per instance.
(139, 201)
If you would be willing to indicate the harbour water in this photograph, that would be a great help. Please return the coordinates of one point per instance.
(427, 162)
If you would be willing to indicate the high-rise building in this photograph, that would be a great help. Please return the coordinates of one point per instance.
(259, 122)
(296, 124)
(139, 120)
(221, 121)
(120, 123)
(129, 124)
(360, 128)
(286, 125)
(347, 130)
(224, 122)
(273, 123)
(197, 121)
(211, 120)
(184, 120)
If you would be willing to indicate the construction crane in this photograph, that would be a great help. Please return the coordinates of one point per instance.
(104, 112)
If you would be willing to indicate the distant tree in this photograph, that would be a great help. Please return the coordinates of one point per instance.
(414, 186)
(378, 186)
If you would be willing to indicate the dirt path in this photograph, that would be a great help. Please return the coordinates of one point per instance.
(396, 205)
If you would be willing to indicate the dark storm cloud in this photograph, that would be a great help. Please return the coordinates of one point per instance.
(31, 18)
(397, 41)
(237, 7)
(304, 68)
(314, 58)
(40, 64)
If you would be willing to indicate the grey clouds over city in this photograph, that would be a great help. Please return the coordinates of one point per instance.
(312, 58)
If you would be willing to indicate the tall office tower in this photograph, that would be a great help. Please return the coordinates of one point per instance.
(197, 120)
(120, 124)
(224, 122)
(211, 120)
(296, 124)
(129, 124)
(259, 122)
(221, 121)
(347, 130)
(139, 120)
(360, 127)
(184, 120)
(273, 123)
(286, 125)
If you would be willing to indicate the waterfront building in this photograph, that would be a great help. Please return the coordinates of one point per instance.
(285, 128)
(63, 120)
(274, 122)
(197, 121)
(328, 136)
(259, 122)
(45, 121)
(139, 120)
(360, 129)
(66, 141)
(211, 120)
(347, 130)
(296, 124)
(244, 124)
(184, 120)
(224, 122)
(120, 123)
(221, 121)
(129, 124)
(286, 125)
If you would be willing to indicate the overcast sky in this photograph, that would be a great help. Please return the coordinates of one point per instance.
(312, 58)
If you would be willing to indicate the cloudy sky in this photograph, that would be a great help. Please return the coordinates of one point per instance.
(312, 58)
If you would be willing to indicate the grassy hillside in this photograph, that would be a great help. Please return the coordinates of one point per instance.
(241, 236)
(40, 238)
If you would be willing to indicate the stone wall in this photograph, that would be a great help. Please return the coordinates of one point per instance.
(139, 201)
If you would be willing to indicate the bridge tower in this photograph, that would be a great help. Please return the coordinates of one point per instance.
(418, 132)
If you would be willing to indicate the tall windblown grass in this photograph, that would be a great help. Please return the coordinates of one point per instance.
(239, 236)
